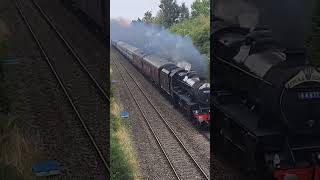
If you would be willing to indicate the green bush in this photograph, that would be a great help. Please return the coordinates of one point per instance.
(198, 29)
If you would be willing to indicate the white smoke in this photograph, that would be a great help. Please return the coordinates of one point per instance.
(157, 40)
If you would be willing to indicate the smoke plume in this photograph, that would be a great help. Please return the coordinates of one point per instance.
(156, 40)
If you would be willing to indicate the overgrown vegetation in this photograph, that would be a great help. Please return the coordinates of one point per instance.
(177, 19)
(17, 154)
(124, 164)
(198, 29)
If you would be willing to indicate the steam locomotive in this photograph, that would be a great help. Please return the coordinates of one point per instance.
(185, 89)
(266, 102)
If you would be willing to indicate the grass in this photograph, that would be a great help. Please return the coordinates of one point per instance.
(17, 153)
(124, 163)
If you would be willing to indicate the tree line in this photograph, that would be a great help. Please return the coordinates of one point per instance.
(178, 19)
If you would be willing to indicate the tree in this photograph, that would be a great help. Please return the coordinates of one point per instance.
(158, 19)
(137, 21)
(200, 7)
(147, 17)
(184, 12)
(170, 12)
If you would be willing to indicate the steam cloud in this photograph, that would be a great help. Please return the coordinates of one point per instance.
(156, 40)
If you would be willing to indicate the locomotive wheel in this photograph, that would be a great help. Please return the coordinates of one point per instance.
(220, 143)
(175, 102)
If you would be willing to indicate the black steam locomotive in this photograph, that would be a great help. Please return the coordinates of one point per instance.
(266, 101)
(184, 87)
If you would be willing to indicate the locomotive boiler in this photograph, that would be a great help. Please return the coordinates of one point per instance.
(266, 99)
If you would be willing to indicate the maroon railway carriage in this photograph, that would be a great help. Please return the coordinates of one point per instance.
(152, 66)
(138, 59)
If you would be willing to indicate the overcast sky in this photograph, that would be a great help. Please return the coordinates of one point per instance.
(132, 9)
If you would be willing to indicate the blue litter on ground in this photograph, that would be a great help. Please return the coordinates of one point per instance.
(124, 114)
(10, 60)
(47, 168)
(114, 81)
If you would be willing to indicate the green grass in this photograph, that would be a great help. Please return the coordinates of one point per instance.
(123, 160)
(119, 164)
(17, 154)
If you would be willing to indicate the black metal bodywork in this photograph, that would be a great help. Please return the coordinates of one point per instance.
(265, 97)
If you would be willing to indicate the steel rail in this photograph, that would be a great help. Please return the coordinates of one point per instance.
(166, 123)
(48, 60)
(70, 49)
(148, 123)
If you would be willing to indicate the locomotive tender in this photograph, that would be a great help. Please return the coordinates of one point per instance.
(184, 88)
(266, 101)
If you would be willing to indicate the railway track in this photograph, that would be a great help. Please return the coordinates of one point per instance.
(181, 161)
(73, 83)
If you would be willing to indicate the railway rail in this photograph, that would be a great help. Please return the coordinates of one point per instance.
(73, 101)
(181, 161)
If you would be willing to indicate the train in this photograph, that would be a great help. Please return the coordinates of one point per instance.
(183, 87)
(265, 102)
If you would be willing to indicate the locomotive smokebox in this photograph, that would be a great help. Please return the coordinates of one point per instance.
(289, 20)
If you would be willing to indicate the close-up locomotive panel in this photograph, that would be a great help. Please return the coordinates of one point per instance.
(265, 99)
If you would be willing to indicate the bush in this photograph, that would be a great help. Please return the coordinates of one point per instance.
(198, 29)
(119, 164)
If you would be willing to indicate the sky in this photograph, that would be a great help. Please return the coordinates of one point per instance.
(132, 9)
